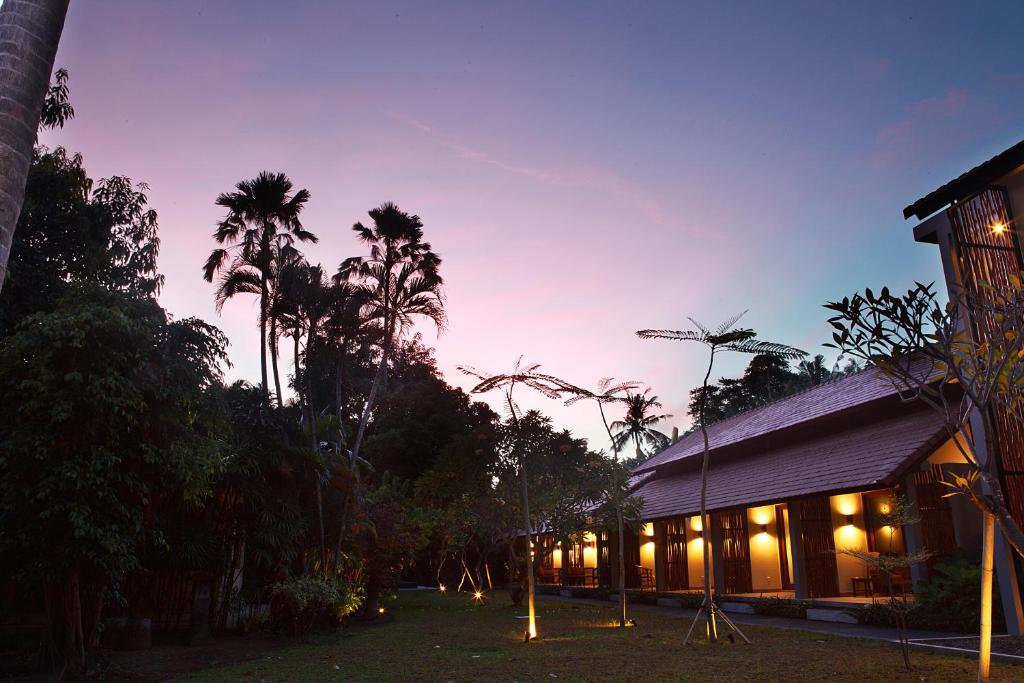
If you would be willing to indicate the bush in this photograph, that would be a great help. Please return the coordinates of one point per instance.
(781, 607)
(951, 599)
(694, 600)
(301, 604)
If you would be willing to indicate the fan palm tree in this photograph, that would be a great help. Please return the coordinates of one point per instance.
(609, 391)
(260, 228)
(638, 425)
(724, 338)
(401, 276)
(550, 386)
(32, 31)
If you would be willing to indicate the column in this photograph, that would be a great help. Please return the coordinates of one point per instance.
(912, 532)
(717, 561)
(660, 573)
(796, 546)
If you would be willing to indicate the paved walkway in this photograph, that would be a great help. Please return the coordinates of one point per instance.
(824, 627)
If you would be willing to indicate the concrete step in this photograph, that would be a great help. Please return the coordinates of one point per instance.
(738, 607)
(833, 615)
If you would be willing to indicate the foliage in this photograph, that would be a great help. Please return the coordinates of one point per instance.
(782, 607)
(950, 600)
(74, 231)
(638, 424)
(300, 604)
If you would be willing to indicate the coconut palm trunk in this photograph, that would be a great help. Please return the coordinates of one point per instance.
(264, 299)
(620, 528)
(31, 31)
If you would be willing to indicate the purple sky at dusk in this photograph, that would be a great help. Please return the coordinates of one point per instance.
(584, 169)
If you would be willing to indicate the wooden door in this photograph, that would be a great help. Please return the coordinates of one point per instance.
(819, 547)
(676, 566)
(735, 551)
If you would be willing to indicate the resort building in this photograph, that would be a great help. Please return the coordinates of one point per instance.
(794, 483)
(790, 484)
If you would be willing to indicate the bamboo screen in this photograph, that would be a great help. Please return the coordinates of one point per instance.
(987, 255)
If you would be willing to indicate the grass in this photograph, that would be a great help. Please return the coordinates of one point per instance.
(448, 638)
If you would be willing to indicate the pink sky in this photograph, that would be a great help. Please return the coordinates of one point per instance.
(584, 171)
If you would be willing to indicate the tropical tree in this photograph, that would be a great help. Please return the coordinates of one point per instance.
(963, 360)
(724, 338)
(401, 275)
(32, 31)
(609, 391)
(259, 230)
(552, 387)
(638, 424)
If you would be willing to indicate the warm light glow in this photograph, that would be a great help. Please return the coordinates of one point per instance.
(695, 524)
(478, 596)
(885, 508)
(999, 227)
(533, 631)
(380, 610)
(442, 588)
(846, 504)
(649, 529)
(589, 537)
(762, 515)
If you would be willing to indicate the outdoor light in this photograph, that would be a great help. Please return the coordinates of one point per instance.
(764, 528)
(849, 520)
(999, 227)
(478, 596)
(380, 610)
(442, 588)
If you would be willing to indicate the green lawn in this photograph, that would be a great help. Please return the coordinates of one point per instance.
(447, 638)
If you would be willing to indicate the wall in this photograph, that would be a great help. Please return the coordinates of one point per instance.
(647, 546)
(851, 536)
(695, 555)
(764, 549)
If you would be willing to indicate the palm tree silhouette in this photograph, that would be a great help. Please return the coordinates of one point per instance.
(259, 230)
(725, 337)
(550, 386)
(638, 425)
(401, 276)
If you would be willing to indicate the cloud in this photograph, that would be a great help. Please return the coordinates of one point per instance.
(592, 178)
(925, 121)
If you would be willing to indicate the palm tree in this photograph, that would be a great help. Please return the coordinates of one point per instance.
(725, 337)
(638, 426)
(814, 371)
(401, 275)
(31, 31)
(259, 230)
(550, 386)
(609, 391)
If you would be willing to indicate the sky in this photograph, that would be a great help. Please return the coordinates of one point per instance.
(584, 169)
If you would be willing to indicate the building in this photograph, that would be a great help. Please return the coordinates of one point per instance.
(976, 221)
(793, 482)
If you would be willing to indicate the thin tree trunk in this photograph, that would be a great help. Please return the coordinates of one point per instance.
(619, 523)
(313, 435)
(987, 566)
(31, 30)
(263, 337)
(709, 611)
(273, 360)
(532, 627)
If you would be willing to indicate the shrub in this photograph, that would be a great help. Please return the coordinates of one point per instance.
(951, 599)
(694, 600)
(298, 605)
(781, 607)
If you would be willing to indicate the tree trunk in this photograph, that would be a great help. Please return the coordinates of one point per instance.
(532, 624)
(273, 361)
(987, 565)
(313, 436)
(619, 523)
(31, 31)
(263, 337)
(64, 644)
(709, 608)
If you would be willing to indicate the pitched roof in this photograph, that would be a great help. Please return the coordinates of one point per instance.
(870, 455)
(974, 180)
(820, 401)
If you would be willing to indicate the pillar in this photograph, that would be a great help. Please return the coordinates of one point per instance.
(796, 548)
(659, 556)
(912, 534)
